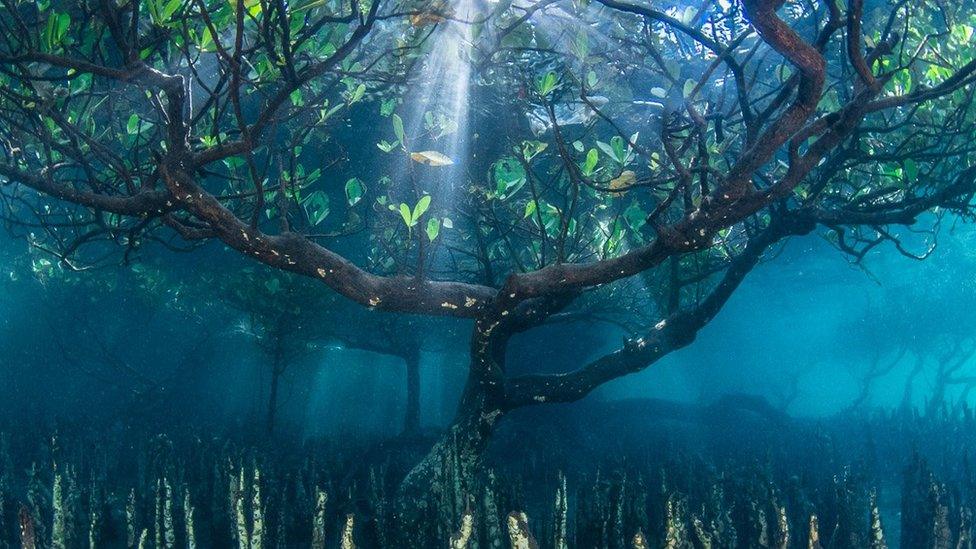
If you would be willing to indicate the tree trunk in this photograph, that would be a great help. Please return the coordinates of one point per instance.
(438, 487)
(411, 420)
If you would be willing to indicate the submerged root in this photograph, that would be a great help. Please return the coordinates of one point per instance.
(639, 542)
(347, 530)
(461, 538)
(813, 539)
(518, 531)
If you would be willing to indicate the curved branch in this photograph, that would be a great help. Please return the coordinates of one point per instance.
(673, 333)
(142, 204)
(293, 252)
(812, 67)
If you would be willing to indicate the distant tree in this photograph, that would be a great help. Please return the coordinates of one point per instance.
(920, 332)
(404, 337)
(872, 346)
(719, 131)
(291, 319)
(139, 371)
(280, 316)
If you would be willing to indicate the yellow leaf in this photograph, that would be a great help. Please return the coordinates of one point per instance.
(624, 181)
(431, 158)
(426, 18)
(437, 12)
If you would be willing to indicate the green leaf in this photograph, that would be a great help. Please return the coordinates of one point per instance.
(398, 128)
(364, 7)
(616, 236)
(170, 8)
(387, 106)
(635, 216)
(911, 170)
(420, 208)
(405, 214)
(154, 11)
(581, 45)
(312, 177)
(206, 41)
(328, 114)
(296, 98)
(386, 146)
(592, 157)
(509, 177)
(357, 94)
(591, 79)
(161, 11)
(530, 149)
(551, 216)
(316, 207)
(433, 228)
(57, 27)
(530, 208)
(354, 191)
(547, 83)
(688, 88)
(132, 127)
(619, 148)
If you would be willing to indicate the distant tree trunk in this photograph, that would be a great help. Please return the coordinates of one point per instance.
(277, 368)
(907, 394)
(946, 376)
(411, 421)
(875, 372)
(304, 392)
(937, 399)
(272, 403)
(962, 403)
